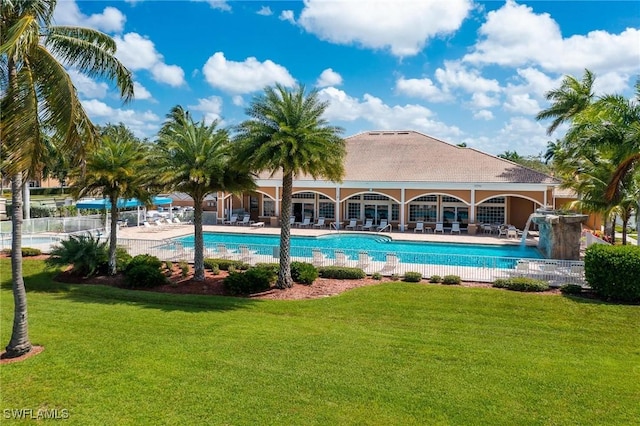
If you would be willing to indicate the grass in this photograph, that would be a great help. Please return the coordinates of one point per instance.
(389, 354)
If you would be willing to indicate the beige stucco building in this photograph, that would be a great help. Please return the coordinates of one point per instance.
(406, 177)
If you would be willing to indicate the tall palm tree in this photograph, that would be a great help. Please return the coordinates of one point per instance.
(571, 98)
(286, 132)
(116, 169)
(39, 98)
(195, 158)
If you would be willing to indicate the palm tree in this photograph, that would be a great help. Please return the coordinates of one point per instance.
(286, 132)
(116, 169)
(195, 158)
(571, 98)
(38, 99)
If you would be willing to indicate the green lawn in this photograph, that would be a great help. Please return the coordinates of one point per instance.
(396, 354)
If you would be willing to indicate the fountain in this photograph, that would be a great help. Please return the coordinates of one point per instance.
(559, 233)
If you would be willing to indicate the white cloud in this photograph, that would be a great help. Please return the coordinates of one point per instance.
(531, 135)
(237, 100)
(219, 4)
(483, 114)
(421, 88)
(244, 77)
(455, 75)
(402, 26)
(265, 11)
(211, 107)
(139, 53)
(329, 78)
(87, 86)
(142, 124)
(343, 107)
(515, 36)
(287, 15)
(522, 104)
(482, 100)
(141, 92)
(68, 13)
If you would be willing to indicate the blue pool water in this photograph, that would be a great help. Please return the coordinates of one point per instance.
(376, 245)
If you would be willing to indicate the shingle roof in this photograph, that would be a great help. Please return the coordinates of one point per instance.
(409, 156)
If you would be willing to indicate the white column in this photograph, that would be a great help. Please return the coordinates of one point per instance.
(337, 207)
(277, 201)
(545, 198)
(472, 207)
(26, 199)
(402, 224)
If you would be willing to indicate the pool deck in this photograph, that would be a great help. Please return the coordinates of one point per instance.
(172, 231)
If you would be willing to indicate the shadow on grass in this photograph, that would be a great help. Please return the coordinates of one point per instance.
(43, 282)
(591, 298)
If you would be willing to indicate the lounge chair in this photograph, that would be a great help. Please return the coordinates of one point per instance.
(246, 255)
(320, 223)
(390, 264)
(384, 224)
(502, 231)
(353, 223)
(368, 225)
(223, 252)
(455, 227)
(439, 227)
(318, 258)
(364, 260)
(512, 233)
(341, 258)
(419, 227)
(246, 220)
(232, 220)
(305, 223)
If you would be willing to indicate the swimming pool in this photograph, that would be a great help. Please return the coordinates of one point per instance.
(377, 246)
(43, 243)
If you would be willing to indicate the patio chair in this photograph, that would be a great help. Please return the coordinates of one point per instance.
(246, 220)
(364, 260)
(232, 220)
(455, 227)
(353, 223)
(390, 265)
(340, 258)
(246, 255)
(320, 223)
(224, 253)
(305, 223)
(439, 228)
(368, 225)
(318, 258)
(512, 233)
(502, 231)
(384, 224)
(419, 227)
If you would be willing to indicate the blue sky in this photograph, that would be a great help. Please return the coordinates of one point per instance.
(458, 70)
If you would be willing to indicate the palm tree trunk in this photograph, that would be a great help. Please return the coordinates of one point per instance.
(198, 252)
(284, 274)
(19, 344)
(113, 237)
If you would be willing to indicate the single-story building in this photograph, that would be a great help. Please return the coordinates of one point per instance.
(406, 177)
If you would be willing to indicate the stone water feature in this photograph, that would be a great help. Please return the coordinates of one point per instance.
(559, 233)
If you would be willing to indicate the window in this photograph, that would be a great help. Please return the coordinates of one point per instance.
(304, 195)
(490, 214)
(395, 212)
(326, 210)
(353, 210)
(268, 207)
(422, 212)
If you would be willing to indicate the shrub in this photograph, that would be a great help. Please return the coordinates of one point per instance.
(612, 271)
(253, 280)
(451, 279)
(144, 275)
(122, 258)
(341, 273)
(30, 251)
(215, 270)
(225, 264)
(303, 273)
(395, 277)
(376, 276)
(435, 279)
(144, 259)
(521, 284)
(412, 277)
(184, 268)
(571, 289)
(275, 267)
(85, 253)
(168, 265)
